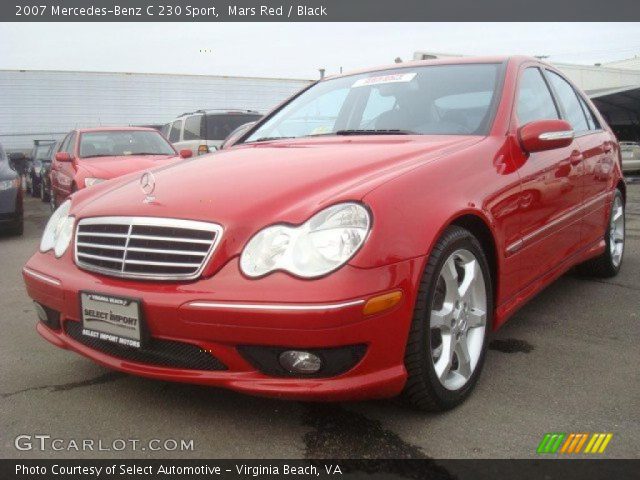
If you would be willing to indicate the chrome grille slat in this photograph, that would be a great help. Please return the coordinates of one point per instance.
(100, 257)
(168, 252)
(98, 245)
(169, 239)
(101, 246)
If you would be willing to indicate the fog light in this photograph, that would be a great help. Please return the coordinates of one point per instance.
(40, 311)
(300, 362)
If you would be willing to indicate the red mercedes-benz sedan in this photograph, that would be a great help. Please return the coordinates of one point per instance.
(90, 156)
(360, 241)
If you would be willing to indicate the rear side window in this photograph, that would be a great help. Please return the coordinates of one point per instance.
(165, 129)
(192, 128)
(569, 101)
(174, 133)
(534, 98)
(591, 118)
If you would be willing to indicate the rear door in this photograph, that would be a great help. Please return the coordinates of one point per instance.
(596, 145)
(550, 185)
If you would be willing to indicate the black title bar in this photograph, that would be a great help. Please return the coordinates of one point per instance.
(317, 10)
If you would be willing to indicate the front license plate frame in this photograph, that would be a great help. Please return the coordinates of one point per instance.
(112, 318)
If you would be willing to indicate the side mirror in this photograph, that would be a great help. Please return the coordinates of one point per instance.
(543, 135)
(63, 157)
(186, 153)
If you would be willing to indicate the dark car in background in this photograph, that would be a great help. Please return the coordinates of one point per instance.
(11, 212)
(40, 154)
(203, 131)
(45, 174)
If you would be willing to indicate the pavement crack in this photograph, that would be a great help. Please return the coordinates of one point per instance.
(63, 387)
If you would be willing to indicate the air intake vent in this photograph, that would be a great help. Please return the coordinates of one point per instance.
(145, 247)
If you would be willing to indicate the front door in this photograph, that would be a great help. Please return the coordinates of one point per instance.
(551, 186)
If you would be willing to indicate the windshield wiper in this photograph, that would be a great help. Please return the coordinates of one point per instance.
(94, 156)
(374, 132)
(266, 139)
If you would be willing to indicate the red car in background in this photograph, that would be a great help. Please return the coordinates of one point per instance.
(90, 156)
(360, 241)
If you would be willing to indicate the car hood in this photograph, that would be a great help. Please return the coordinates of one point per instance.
(116, 166)
(271, 181)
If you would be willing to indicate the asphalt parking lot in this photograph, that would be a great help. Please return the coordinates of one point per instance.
(567, 362)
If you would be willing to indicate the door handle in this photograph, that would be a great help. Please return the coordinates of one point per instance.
(576, 157)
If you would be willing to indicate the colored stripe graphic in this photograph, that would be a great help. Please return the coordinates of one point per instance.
(551, 442)
(573, 443)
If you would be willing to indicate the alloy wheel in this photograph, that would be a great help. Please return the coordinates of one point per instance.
(616, 232)
(458, 319)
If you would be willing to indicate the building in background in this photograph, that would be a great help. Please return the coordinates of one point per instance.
(614, 87)
(47, 104)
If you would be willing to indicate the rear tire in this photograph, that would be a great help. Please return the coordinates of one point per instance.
(447, 341)
(608, 263)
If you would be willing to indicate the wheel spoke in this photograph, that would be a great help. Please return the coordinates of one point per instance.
(450, 276)
(464, 359)
(618, 214)
(470, 269)
(443, 365)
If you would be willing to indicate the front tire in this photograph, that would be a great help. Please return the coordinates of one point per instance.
(452, 318)
(608, 263)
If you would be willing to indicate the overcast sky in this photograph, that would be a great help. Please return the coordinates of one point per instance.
(295, 50)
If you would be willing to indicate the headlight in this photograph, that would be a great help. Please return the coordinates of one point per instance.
(322, 244)
(91, 181)
(58, 232)
(8, 184)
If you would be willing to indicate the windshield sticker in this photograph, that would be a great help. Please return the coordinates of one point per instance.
(395, 78)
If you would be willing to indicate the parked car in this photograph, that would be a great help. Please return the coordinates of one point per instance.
(630, 156)
(90, 156)
(369, 256)
(40, 153)
(40, 163)
(45, 174)
(11, 210)
(203, 131)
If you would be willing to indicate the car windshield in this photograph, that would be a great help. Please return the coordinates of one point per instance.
(123, 143)
(427, 100)
(219, 126)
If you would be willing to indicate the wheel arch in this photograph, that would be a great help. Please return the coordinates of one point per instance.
(482, 231)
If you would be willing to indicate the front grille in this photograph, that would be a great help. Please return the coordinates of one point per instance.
(145, 247)
(164, 353)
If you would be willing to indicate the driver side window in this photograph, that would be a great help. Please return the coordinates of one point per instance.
(534, 98)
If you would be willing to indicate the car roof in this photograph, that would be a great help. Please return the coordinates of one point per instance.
(116, 129)
(220, 111)
(441, 61)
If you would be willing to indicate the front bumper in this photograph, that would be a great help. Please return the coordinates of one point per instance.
(228, 311)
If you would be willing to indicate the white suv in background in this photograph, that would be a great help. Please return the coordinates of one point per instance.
(630, 156)
(203, 131)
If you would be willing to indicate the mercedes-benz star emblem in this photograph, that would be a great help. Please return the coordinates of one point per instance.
(148, 185)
